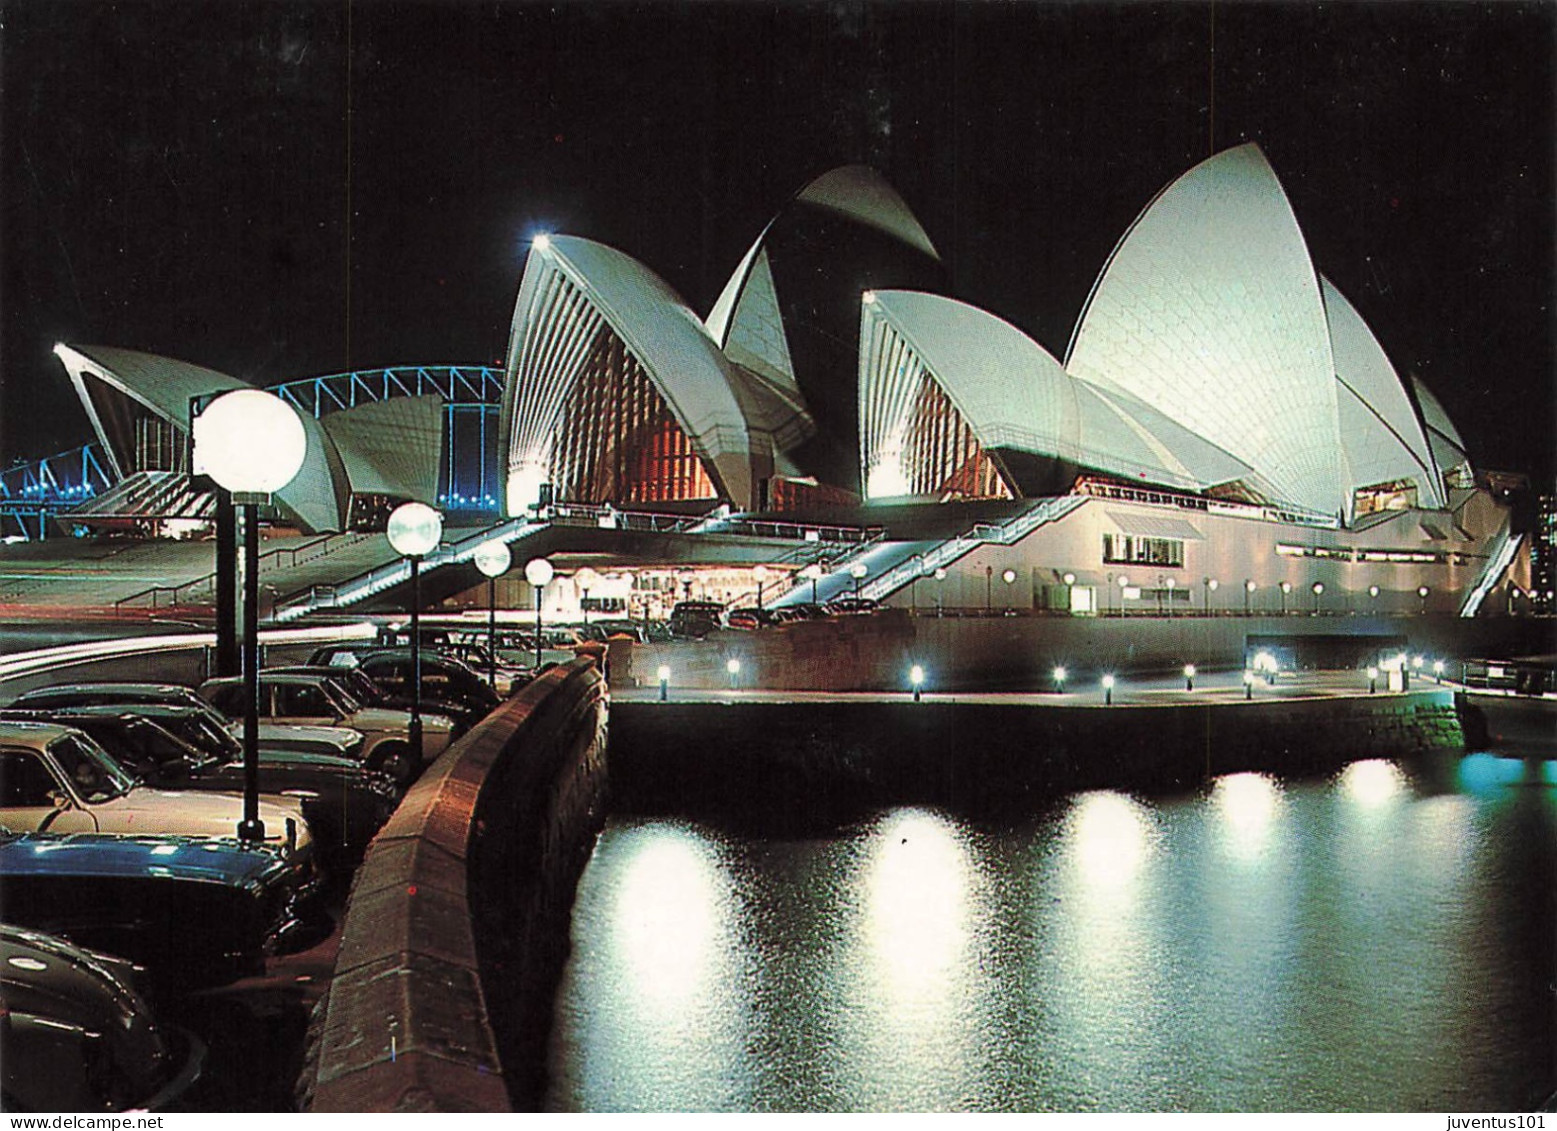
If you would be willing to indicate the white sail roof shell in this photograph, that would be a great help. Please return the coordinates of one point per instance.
(1014, 394)
(1209, 310)
(1381, 438)
(555, 326)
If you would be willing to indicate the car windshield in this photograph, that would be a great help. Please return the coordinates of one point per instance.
(93, 774)
(344, 700)
(205, 736)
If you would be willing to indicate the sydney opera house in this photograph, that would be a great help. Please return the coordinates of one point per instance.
(1222, 431)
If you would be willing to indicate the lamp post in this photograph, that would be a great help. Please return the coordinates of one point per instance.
(585, 579)
(733, 666)
(492, 559)
(814, 572)
(1437, 671)
(538, 572)
(1189, 677)
(1373, 680)
(858, 572)
(252, 444)
(1248, 684)
(1248, 595)
(940, 591)
(1286, 588)
(1108, 690)
(916, 680)
(1422, 592)
(761, 574)
(414, 530)
(989, 589)
(1124, 583)
(1059, 679)
(1212, 585)
(664, 677)
(1171, 586)
(1319, 590)
(1009, 577)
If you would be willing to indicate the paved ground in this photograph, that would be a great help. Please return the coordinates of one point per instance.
(1210, 687)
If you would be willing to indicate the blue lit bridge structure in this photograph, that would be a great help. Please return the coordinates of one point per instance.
(32, 492)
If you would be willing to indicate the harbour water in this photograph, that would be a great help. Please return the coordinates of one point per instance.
(1381, 939)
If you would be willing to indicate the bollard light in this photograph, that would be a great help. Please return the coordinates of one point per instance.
(664, 674)
(733, 666)
(253, 444)
(1189, 677)
(1422, 592)
(1248, 684)
(1059, 678)
(1108, 690)
(414, 531)
(1373, 680)
(858, 572)
(1248, 594)
(1437, 671)
(916, 680)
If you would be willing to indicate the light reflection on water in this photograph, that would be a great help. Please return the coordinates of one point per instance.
(1380, 941)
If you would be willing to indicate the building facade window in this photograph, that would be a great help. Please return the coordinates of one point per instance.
(1135, 549)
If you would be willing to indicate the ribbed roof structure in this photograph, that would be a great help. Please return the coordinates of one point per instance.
(1209, 310)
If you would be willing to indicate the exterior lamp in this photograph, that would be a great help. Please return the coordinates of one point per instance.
(414, 531)
(1422, 592)
(1416, 662)
(814, 572)
(916, 680)
(664, 674)
(858, 572)
(1059, 678)
(940, 590)
(1373, 680)
(1437, 671)
(1189, 677)
(1248, 684)
(252, 444)
(1108, 690)
(585, 579)
(1286, 587)
(1319, 589)
(538, 572)
(1248, 595)
(492, 559)
(1373, 591)
(1069, 579)
(733, 666)
(1212, 585)
(761, 574)
(1171, 586)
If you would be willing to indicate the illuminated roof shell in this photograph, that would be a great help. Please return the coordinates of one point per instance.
(1209, 310)
(1014, 395)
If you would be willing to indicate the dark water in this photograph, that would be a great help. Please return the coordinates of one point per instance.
(1383, 940)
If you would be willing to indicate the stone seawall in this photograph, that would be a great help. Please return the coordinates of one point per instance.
(457, 926)
(829, 756)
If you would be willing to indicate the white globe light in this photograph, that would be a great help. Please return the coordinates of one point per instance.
(414, 529)
(858, 570)
(249, 441)
(538, 571)
(1009, 576)
(586, 578)
(1070, 579)
(493, 558)
(760, 572)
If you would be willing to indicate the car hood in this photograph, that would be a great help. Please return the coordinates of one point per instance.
(98, 854)
(342, 739)
(389, 718)
(147, 810)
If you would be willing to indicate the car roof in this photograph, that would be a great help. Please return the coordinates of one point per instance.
(101, 686)
(36, 735)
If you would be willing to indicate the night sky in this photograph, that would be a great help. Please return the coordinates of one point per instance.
(278, 190)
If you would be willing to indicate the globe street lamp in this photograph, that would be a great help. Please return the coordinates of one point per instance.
(664, 677)
(1212, 585)
(1189, 677)
(1059, 679)
(493, 559)
(252, 444)
(1248, 595)
(1009, 577)
(1286, 588)
(1422, 592)
(733, 666)
(414, 530)
(1319, 589)
(1108, 690)
(1172, 585)
(761, 574)
(814, 572)
(858, 572)
(585, 579)
(940, 591)
(916, 680)
(538, 572)
(1248, 684)
(1373, 680)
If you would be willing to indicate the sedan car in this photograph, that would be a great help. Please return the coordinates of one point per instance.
(178, 748)
(56, 779)
(76, 1036)
(342, 741)
(449, 685)
(314, 698)
(191, 910)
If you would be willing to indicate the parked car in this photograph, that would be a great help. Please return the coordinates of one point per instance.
(338, 740)
(56, 779)
(506, 677)
(748, 619)
(178, 748)
(191, 910)
(449, 685)
(316, 699)
(852, 606)
(76, 1036)
(693, 620)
